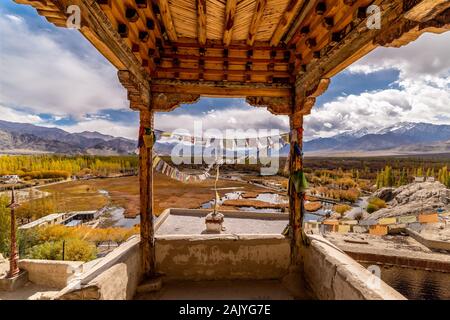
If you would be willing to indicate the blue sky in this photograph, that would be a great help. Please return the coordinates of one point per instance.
(54, 77)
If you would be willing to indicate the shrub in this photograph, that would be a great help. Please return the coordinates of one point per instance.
(375, 204)
(79, 250)
(371, 208)
(378, 202)
(47, 251)
(75, 250)
(341, 208)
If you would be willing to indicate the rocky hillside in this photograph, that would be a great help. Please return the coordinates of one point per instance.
(412, 199)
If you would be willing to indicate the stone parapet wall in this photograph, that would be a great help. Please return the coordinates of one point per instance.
(50, 273)
(333, 275)
(429, 243)
(115, 277)
(222, 257)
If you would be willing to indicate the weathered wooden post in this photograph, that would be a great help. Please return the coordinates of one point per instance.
(296, 186)
(14, 254)
(146, 192)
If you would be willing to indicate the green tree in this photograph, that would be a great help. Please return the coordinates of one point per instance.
(419, 172)
(403, 178)
(388, 177)
(5, 225)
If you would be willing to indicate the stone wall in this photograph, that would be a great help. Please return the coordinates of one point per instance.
(429, 243)
(115, 277)
(333, 275)
(222, 257)
(49, 273)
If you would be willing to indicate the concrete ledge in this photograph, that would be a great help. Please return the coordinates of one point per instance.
(227, 213)
(429, 243)
(12, 284)
(50, 273)
(115, 277)
(414, 260)
(222, 236)
(333, 275)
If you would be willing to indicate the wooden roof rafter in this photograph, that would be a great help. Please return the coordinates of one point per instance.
(230, 12)
(256, 21)
(289, 14)
(166, 17)
(201, 17)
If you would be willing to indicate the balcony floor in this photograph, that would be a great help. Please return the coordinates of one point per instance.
(223, 290)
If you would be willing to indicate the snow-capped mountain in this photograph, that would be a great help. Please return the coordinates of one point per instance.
(402, 135)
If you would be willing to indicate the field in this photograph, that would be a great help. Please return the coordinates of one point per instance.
(124, 192)
(343, 179)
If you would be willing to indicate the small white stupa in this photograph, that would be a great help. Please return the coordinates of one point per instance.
(214, 220)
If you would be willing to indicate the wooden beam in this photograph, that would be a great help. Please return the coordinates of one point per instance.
(201, 18)
(296, 197)
(211, 44)
(256, 21)
(167, 19)
(275, 73)
(427, 9)
(230, 11)
(147, 244)
(193, 57)
(356, 38)
(288, 16)
(228, 89)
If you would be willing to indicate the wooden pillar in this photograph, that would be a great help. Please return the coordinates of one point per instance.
(295, 199)
(146, 196)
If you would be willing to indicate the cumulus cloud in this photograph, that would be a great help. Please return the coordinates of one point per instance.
(414, 101)
(9, 114)
(421, 95)
(42, 73)
(428, 57)
(233, 118)
(108, 127)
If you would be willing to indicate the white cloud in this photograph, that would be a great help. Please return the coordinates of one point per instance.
(414, 101)
(233, 118)
(422, 93)
(8, 114)
(40, 73)
(426, 57)
(104, 126)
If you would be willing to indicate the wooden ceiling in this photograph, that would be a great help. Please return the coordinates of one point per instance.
(262, 41)
(277, 53)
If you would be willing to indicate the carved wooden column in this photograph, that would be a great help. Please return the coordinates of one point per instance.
(295, 197)
(146, 195)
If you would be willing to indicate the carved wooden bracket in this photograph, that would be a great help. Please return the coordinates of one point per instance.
(406, 31)
(276, 105)
(165, 102)
(138, 93)
(305, 99)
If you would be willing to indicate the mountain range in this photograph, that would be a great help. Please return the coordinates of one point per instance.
(23, 138)
(402, 138)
